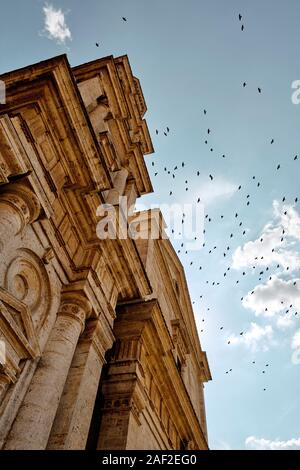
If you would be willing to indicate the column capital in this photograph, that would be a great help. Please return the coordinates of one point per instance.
(23, 200)
(75, 304)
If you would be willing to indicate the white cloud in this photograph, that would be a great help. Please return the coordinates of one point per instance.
(255, 443)
(296, 340)
(257, 337)
(275, 295)
(290, 221)
(278, 240)
(55, 24)
(220, 188)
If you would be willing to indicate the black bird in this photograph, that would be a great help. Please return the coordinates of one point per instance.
(240, 17)
(168, 130)
(244, 84)
(97, 44)
(278, 167)
(165, 134)
(211, 177)
(272, 141)
(156, 132)
(259, 90)
(204, 111)
(123, 18)
(242, 28)
(296, 157)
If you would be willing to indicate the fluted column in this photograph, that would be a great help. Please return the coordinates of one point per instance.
(33, 423)
(19, 207)
(72, 422)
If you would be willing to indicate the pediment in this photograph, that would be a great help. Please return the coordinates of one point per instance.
(16, 334)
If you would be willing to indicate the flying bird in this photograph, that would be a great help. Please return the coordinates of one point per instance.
(123, 18)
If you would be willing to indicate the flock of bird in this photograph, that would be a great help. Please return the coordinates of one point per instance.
(175, 172)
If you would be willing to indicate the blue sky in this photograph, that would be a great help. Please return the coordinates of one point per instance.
(192, 55)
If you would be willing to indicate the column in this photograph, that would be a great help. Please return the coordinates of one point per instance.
(72, 422)
(33, 423)
(19, 207)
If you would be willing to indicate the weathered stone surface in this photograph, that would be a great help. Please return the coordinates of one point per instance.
(101, 347)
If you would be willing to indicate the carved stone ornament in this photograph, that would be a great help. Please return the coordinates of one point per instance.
(16, 334)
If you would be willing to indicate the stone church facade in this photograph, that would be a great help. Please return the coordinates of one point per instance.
(99, 347)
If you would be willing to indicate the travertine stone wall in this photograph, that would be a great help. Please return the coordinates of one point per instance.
(93, 329)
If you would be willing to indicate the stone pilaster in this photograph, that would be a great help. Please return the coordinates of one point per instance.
(33, 423)
(122, 388)
(124, 400)
(71, 426)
